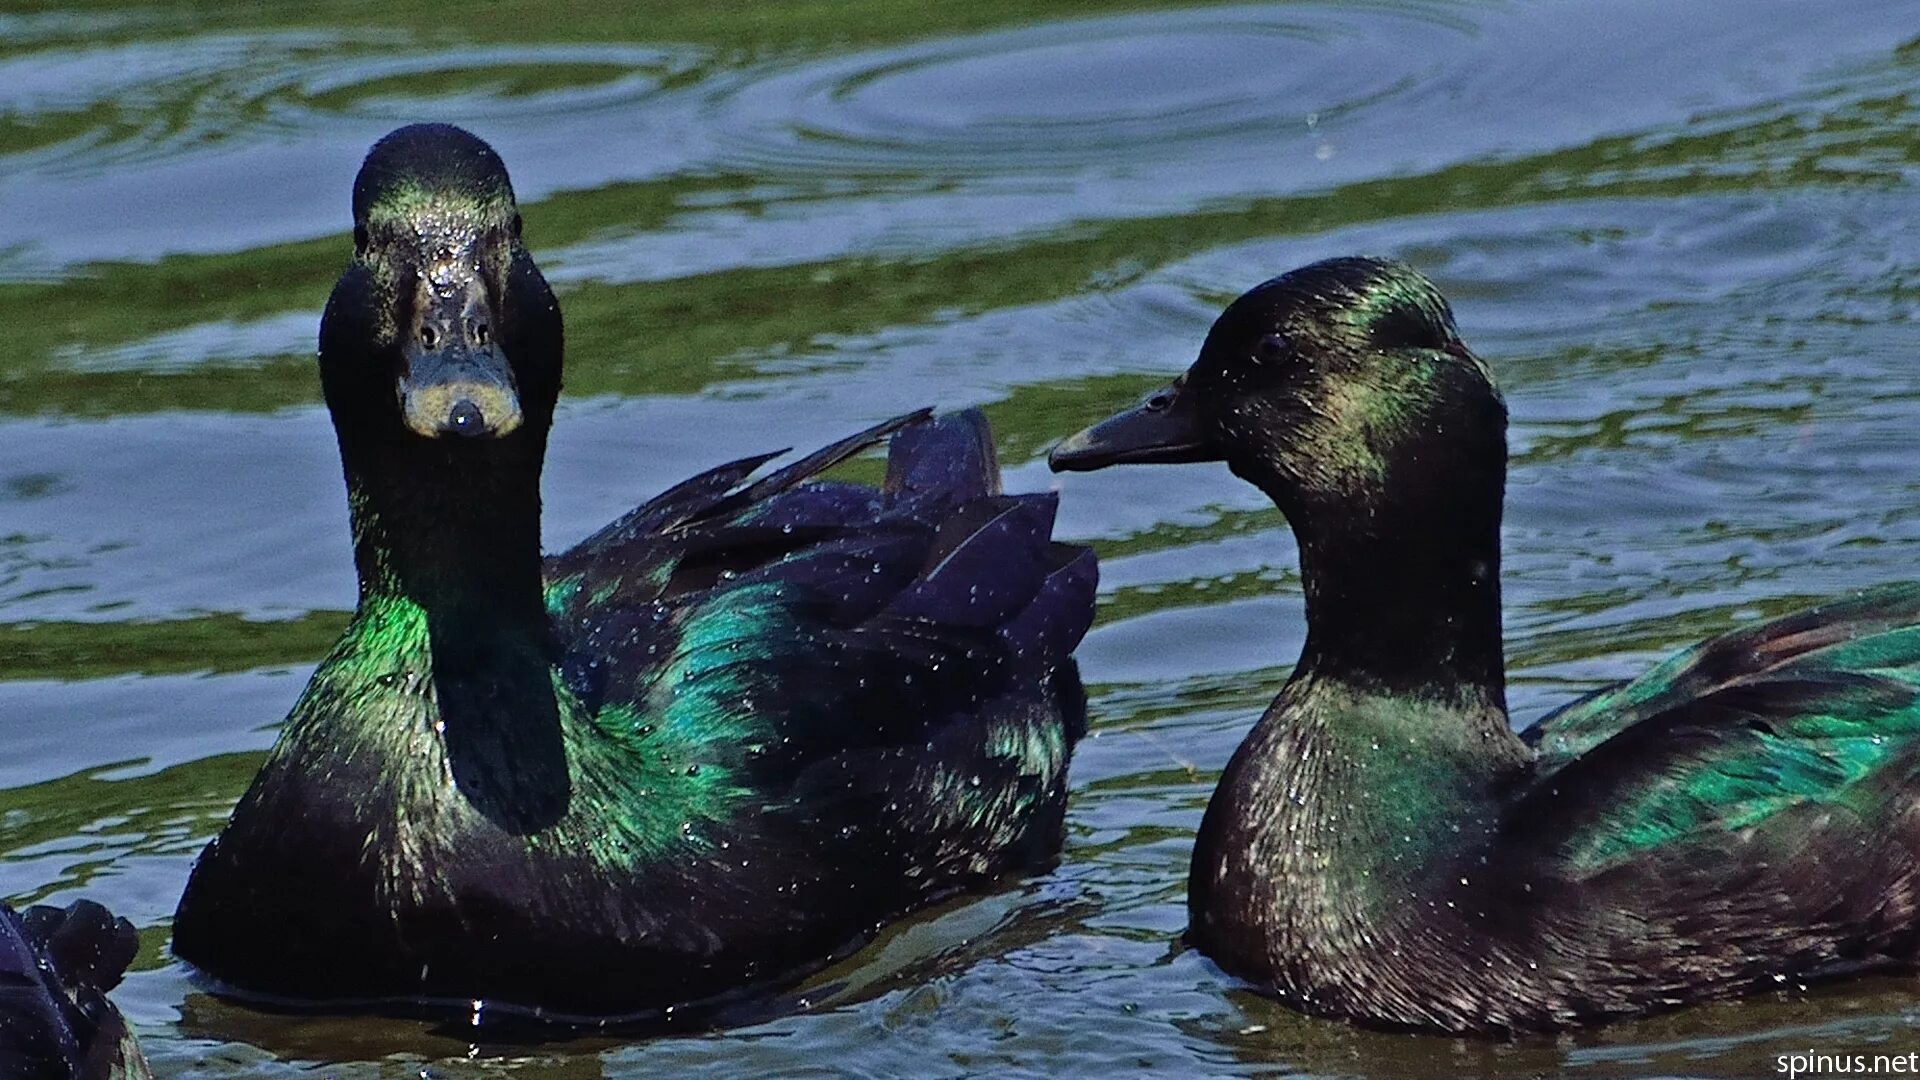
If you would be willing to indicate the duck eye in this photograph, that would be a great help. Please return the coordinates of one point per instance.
(428, 336)
(1271, 347)
(1159, 402)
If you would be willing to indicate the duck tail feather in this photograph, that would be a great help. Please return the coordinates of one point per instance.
(819, 504)
(1052, 624)
(672, 506)
(855, 576)
(987, 561)
(951, 459)
(817, 462)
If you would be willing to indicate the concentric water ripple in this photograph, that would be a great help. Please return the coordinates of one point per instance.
(162, 99)
(255, 136)
(1113, 94)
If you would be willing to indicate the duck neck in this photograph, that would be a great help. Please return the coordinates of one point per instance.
(447, 543)
(453, 531)
(1404, 596)
(1383, 754)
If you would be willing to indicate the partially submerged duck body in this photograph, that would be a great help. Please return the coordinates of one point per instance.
(1383, 848)
(56, 967)
(710, 747)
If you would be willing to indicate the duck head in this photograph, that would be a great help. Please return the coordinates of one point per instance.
(442, 328)
(1343, 391)
(1339, 384)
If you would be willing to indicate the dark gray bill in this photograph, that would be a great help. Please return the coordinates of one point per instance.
(1164, 428)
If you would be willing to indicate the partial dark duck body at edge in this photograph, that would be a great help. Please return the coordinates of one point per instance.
(710, 747)
(1383, 848)
(56, 967)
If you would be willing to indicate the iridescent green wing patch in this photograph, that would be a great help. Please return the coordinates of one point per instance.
(1731, 762)
(1877, 631)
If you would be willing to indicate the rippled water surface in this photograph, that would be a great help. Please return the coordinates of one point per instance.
(1681, 232)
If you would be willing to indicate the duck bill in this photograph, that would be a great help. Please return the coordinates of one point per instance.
(456, 380)
(1166, 428)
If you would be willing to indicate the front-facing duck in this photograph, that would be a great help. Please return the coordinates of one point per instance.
(1383, 847)
(710, 746)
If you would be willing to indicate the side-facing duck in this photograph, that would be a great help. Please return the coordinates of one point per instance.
(56, 966)
(1383, 847)
(710, 746)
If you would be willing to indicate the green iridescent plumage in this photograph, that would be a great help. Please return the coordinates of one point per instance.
(1383, 847)
(710, 746)
(1817, 710)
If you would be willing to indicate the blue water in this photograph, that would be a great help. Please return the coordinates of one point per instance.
(1681, 233)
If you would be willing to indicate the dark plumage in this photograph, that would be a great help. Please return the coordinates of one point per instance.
(710, 746)
(1383, 848)
(56, 966)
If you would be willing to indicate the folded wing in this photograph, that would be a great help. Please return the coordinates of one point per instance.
(891, 658)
